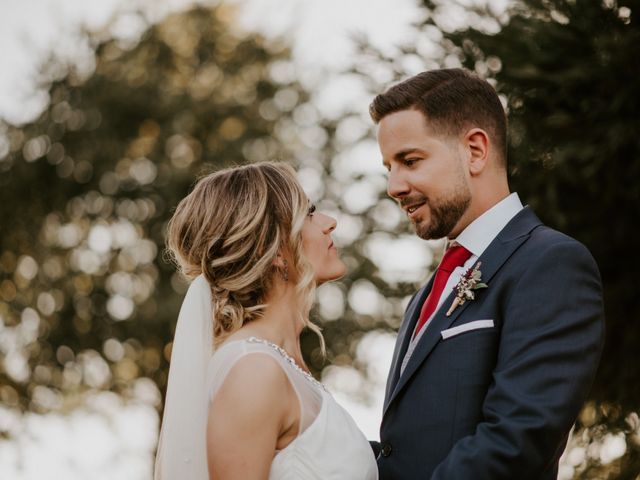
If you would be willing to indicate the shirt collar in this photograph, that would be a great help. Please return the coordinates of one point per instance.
(481, 232)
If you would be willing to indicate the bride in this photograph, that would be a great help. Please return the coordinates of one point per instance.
(240, 401)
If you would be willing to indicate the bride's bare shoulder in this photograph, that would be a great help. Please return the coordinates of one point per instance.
(255, 392)
(256, 369)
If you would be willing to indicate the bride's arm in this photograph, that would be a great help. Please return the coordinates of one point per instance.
(248, 414)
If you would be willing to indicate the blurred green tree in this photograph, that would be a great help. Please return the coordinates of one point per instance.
(86, 299)
(569, 72)
(570, 76)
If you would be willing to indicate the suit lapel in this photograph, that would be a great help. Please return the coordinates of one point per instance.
(404, 336)
(497, 253)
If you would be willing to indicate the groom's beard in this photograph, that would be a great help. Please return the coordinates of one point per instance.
(445, 213)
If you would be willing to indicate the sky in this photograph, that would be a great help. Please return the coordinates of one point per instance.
(33, 30)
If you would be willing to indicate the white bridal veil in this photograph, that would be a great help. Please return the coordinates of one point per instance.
(182, 445)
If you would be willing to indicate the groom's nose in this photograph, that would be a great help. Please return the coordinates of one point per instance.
(397, 186)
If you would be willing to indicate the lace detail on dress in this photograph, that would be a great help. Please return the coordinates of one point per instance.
(289, 360)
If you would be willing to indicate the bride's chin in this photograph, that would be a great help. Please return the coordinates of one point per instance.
(338, 272)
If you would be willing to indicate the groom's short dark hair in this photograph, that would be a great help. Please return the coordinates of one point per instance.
(452, 100)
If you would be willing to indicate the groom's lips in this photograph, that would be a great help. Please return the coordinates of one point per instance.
(413, 208)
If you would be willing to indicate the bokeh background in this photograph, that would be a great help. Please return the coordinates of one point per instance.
(110, 110)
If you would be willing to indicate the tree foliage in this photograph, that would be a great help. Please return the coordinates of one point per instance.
(569, 71)
(86, 297)
(570, 75)
(88, 301)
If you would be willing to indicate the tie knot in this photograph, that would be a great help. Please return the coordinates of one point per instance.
(454, 257)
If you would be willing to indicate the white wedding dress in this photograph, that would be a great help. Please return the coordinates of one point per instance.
(329, 445)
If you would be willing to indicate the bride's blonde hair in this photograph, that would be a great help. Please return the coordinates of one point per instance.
(230, 228)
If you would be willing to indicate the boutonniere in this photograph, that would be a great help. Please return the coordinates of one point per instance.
(470, 281)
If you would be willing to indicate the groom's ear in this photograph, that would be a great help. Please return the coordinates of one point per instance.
(477, 144)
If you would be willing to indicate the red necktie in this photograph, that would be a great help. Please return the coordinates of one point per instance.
(454, 257)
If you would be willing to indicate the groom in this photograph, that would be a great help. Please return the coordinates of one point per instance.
(496, 354)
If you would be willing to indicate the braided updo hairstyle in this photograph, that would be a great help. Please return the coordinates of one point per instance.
(230, 228)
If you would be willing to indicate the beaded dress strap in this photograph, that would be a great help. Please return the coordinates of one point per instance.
(283, 353)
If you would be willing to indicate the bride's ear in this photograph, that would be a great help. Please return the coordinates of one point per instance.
(280, 261)
(281, 265)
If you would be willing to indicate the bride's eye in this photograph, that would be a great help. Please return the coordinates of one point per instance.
(312, 208)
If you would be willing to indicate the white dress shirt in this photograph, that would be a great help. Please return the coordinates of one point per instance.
(475, 238)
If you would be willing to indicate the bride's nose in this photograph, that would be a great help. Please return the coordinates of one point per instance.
(330, 224)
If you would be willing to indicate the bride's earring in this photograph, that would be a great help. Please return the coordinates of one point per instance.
(285, 271)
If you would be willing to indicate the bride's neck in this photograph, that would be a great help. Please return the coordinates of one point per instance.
(282, 321)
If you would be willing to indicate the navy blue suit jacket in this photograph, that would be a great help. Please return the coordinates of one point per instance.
(498, 402)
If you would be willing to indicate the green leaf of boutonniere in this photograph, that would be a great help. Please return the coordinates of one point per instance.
(469, 282)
